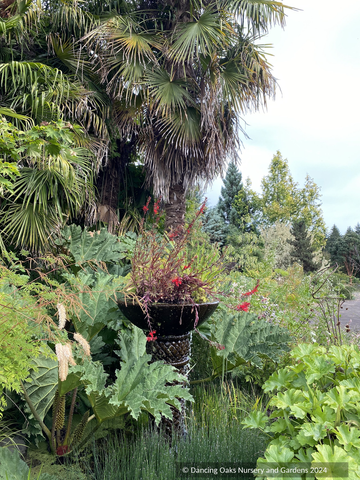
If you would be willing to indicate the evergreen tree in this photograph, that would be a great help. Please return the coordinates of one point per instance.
(357, 229)
(304, 250)
(334, 246)
(232, 186)
(247, 212)
(214, 226)
(351, 252)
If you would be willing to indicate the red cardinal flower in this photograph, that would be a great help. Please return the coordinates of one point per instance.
(151, 337)
(177, 281)
(156, 206)
(254, 290)
(244, 307)
(146, 206)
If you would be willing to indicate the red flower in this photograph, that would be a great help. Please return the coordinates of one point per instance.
(146, 206)
(254, 290)
(187, 266)
(177, 281)
(156, 206)
(244, 307)
(151, 337)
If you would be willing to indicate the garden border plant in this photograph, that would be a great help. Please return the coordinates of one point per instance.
(315, 413)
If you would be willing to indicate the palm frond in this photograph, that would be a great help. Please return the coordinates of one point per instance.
(23, 120)
(168, 93)
(259, 16)
(203, 35)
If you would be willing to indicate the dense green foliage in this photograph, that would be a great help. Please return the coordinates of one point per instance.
(315, 410)
(344, 250)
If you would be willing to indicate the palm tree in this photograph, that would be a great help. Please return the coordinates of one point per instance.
(182, 74)
(40, 84)
(53, 181)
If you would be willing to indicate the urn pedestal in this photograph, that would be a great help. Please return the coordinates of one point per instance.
(173, 324)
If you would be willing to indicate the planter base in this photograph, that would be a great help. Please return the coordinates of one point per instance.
(174, 350)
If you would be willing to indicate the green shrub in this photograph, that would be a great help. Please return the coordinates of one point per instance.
(315, 412)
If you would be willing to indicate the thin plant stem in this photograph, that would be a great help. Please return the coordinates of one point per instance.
(36, 415)
(71, 414)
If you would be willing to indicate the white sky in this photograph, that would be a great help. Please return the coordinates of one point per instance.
(314, 120)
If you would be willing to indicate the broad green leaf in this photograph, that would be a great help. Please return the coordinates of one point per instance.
(72, 381)
(138, 386)
(305, 440)
(12, 467)
(352, 384)
(280, 379)
(336, 461)
(305, 455)
(305, 350)
(92, 376)
(349, 437)
(275, 454)
(317, 431)
(318, 367)
(44, 382)
(280, 425)
(339, 355)
(256, 419)
(287, 399)
(339, 397)
(249, 338)
(132, 344)
(97, 308)
(323, 414)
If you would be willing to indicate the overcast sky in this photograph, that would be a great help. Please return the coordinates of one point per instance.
(314, 120)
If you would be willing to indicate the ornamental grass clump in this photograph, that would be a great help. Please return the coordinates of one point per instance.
(163, 270)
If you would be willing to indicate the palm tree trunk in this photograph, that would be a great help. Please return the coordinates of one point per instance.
(175, 207)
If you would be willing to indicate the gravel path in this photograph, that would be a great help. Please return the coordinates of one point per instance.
(350, 312)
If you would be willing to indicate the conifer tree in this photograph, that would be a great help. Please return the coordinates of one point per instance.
(232, 185)
(214, 226)
(303, 251)
(351, 252)
(334, 246)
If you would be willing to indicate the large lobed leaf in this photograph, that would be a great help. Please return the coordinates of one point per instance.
(96, 299)
(247, 338)
(138, 385)
(100, 246)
